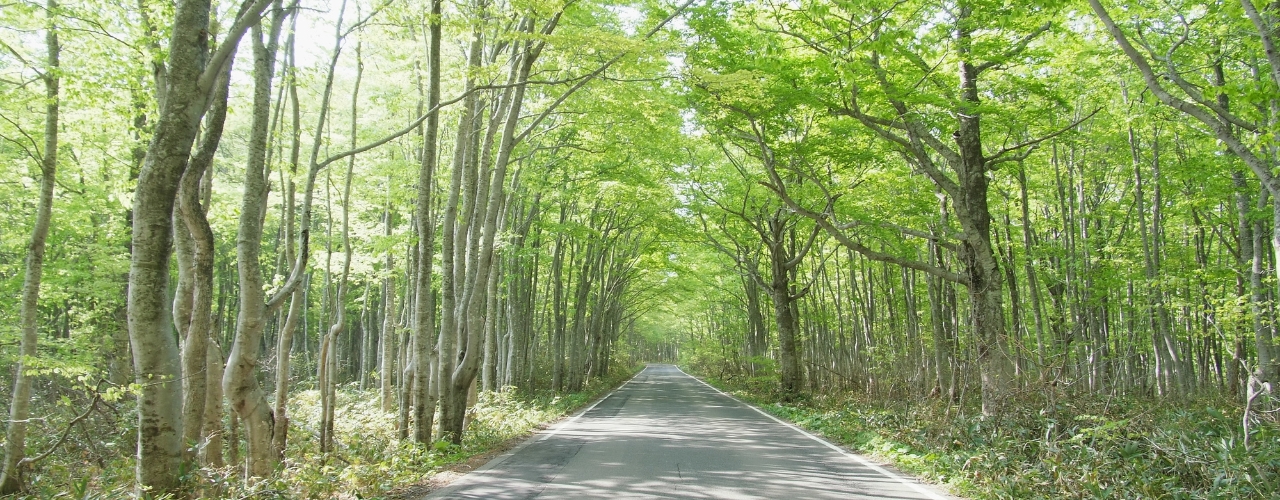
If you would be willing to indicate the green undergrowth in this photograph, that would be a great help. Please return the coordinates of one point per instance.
(1116, 448)
(369, 460)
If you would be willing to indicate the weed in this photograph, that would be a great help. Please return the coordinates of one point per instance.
(1091, 447)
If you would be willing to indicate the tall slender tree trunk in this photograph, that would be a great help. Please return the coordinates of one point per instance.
(558, 310)
(29, 313)
(240, 382)
(192, 230)
(386, 341)
(489, 366)
(1264, 330)
(297, 299)
(758, 340)
(426, 352)
(329, 360)
(1033, 282)
(184, 96)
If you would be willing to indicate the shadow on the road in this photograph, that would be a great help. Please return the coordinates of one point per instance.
(665, 435)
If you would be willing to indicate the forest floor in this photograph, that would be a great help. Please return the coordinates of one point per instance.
(368, 460)
(1073, 447)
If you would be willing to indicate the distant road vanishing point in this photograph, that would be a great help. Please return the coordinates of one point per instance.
(665, 434)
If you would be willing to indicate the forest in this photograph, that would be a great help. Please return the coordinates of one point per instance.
(328, 248)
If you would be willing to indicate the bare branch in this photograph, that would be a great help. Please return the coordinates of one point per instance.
(97, 396)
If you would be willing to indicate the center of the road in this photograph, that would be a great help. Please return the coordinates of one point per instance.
(667, 436)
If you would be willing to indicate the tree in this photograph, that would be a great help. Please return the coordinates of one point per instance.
(776, 233)
(187, 84)
(1208, 100)
(883, 79)
(239, 382)
(426, 355)
(19, 406)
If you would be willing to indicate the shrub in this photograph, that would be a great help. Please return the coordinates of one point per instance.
(1089, 447)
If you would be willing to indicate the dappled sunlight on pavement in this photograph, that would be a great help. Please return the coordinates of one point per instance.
(666, 435)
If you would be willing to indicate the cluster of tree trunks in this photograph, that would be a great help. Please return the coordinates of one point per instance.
(1041, 304)
(424, 338)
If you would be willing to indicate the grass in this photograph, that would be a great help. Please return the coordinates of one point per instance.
(369, 461)
(1087, 447)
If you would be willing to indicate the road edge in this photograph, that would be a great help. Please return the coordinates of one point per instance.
(538, 436)
(915, 484)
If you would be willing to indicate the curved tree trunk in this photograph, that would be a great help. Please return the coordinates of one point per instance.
(192, 225)
(190, 75)
(284, 343)
(155, 354)
(329, 360)
(240, 382)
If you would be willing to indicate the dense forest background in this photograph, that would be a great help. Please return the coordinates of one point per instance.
(1021, 248)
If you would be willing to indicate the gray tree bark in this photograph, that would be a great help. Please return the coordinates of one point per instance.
(184, 96)
(425, 353)
(195, 264)
(19, 406)
(240, 383)
(284, 342)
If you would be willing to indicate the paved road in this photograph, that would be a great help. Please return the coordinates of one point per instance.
(665, 434)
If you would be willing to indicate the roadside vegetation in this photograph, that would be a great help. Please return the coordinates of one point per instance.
(1039, 236)
(1082, 448)
(369, 458)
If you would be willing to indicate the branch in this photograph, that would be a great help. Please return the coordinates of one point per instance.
(414, 124)
(937, 239)
(919, 137)
(21, 59)
(998, 157)
(1195, 95)
(825, 222)
(1221, 130)
(1192, 92)
(1265, 33)
(33, 152)
(362, 22)
(799, 256)
(250, 16)
(1017, 48)
(739, 255)
(97, 395)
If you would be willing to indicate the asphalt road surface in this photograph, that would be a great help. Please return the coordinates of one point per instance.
(665, 434)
